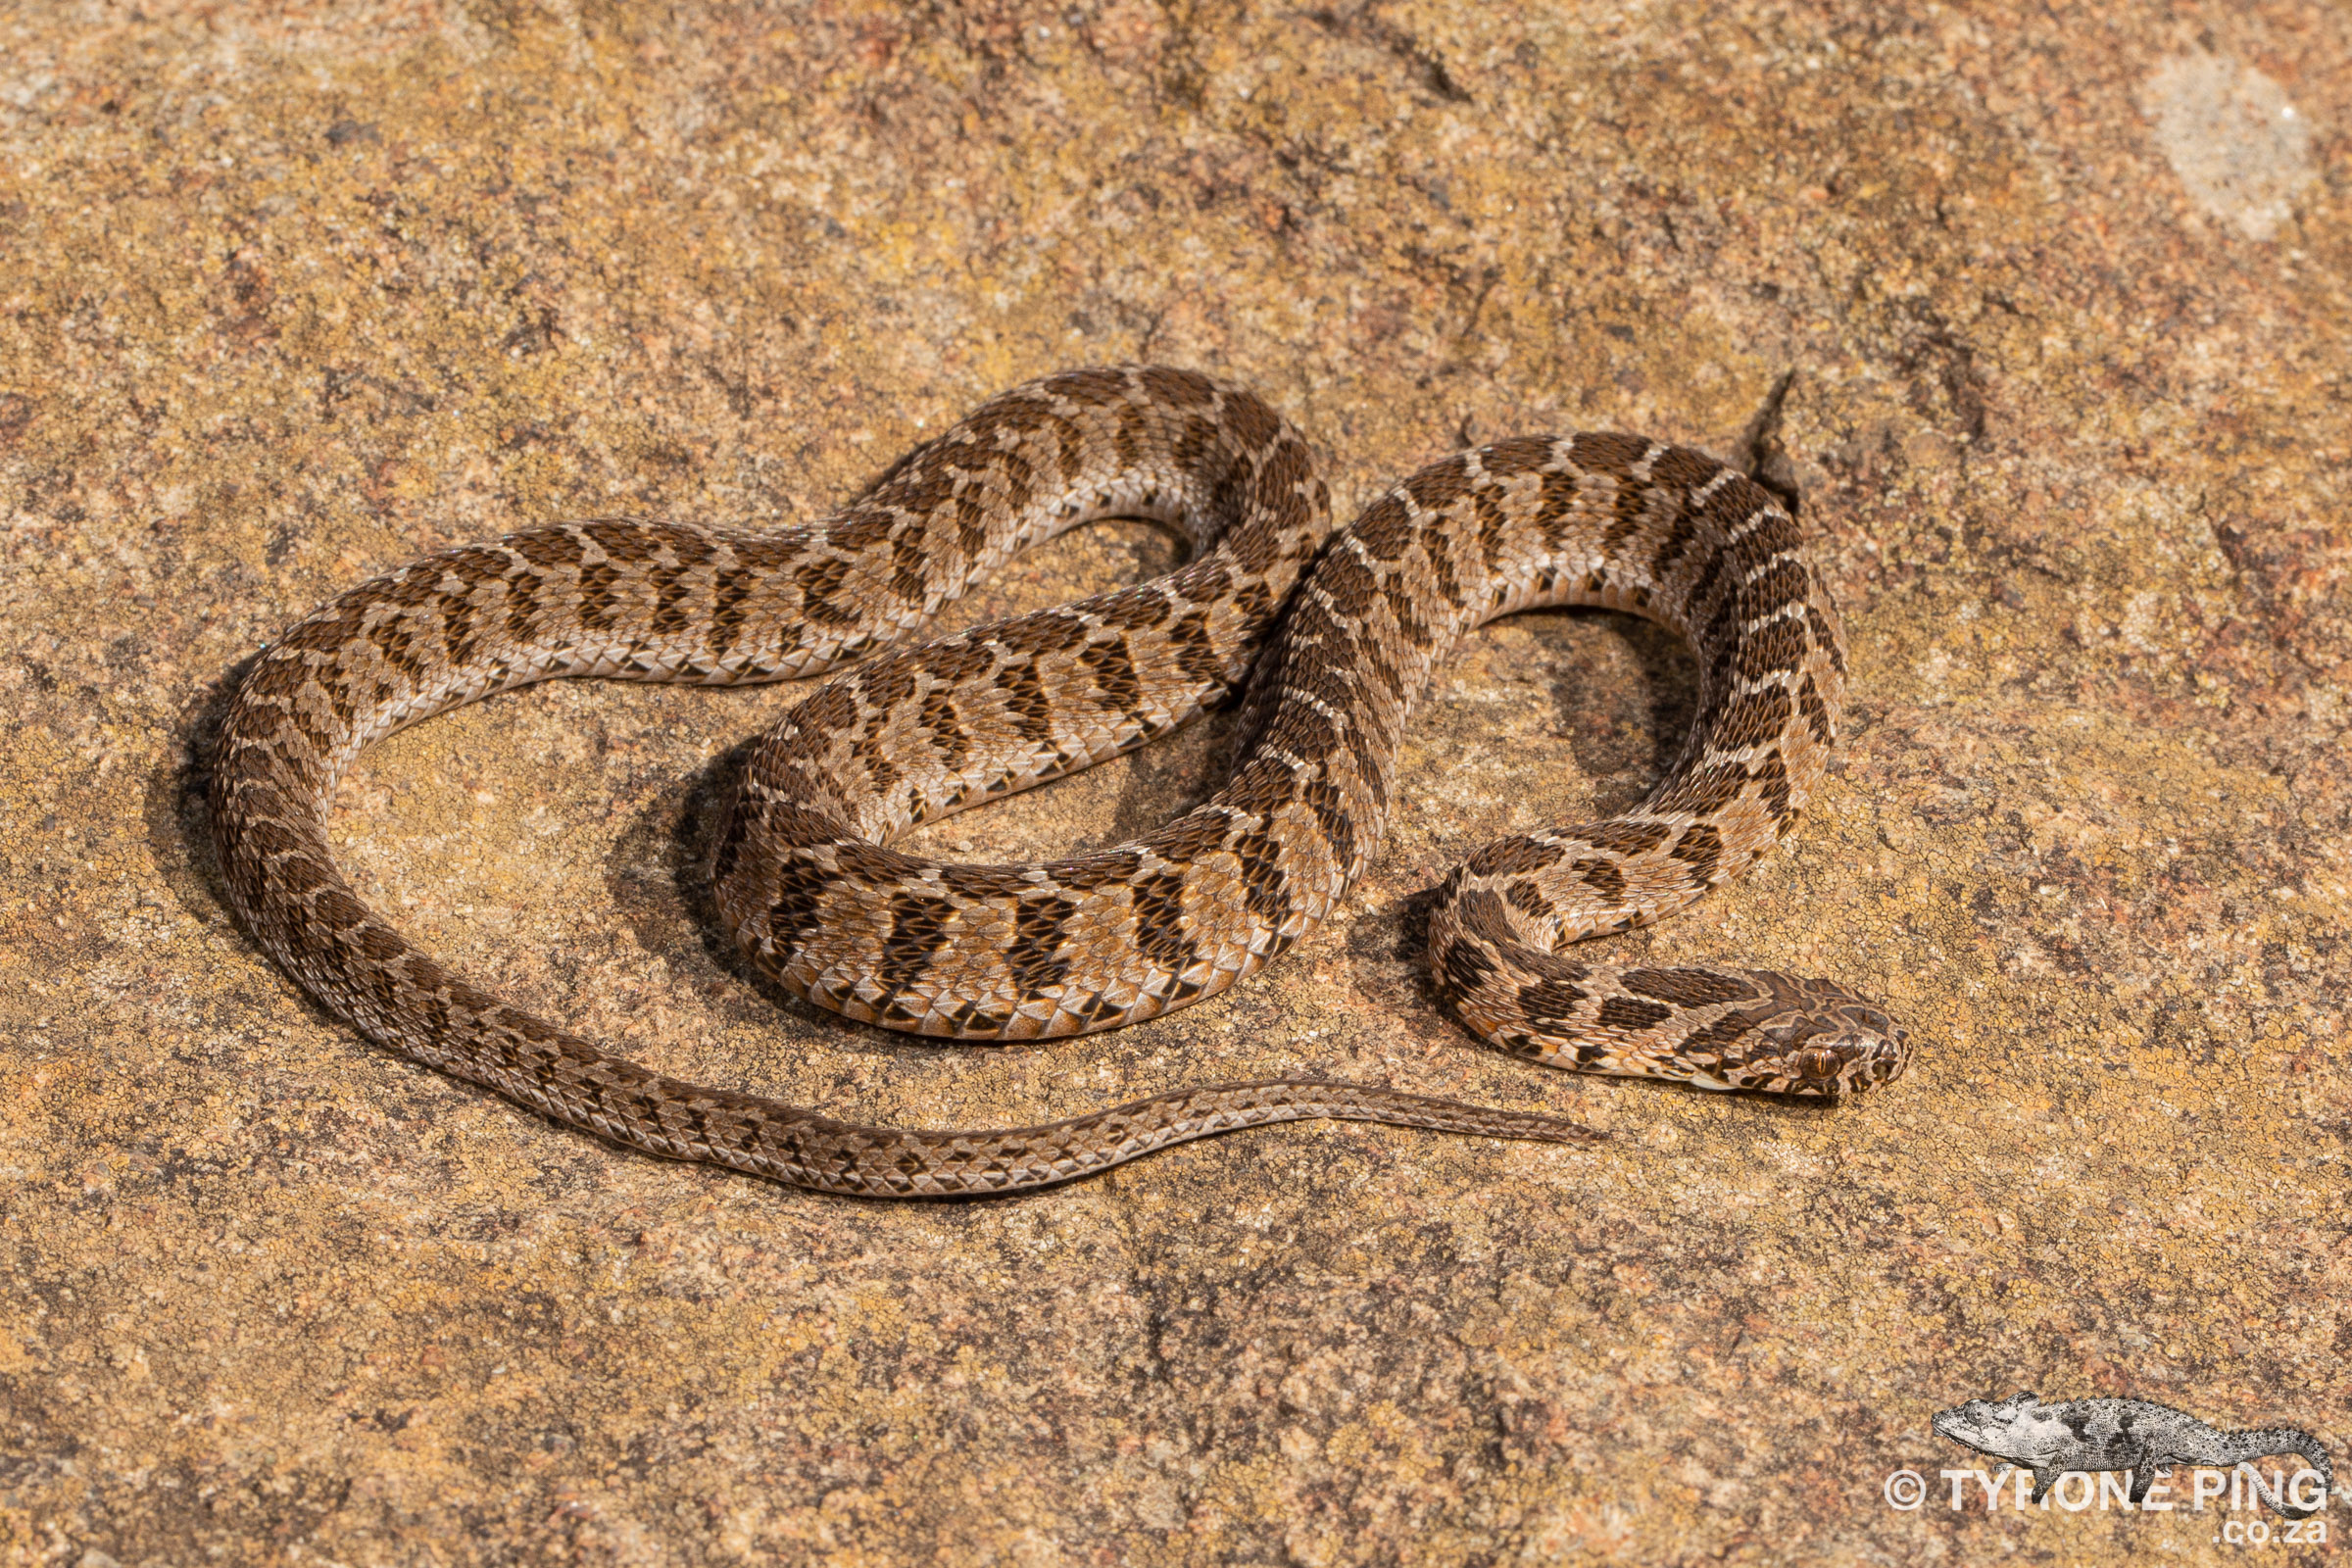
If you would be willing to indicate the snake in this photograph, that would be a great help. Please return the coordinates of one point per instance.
(1327, 640)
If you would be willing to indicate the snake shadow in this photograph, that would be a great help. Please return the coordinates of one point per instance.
(175, 806)
(657, 874)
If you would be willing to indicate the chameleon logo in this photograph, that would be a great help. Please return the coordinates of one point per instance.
(2135, 1434)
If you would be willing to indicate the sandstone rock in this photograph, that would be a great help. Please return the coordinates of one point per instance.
(289, 298)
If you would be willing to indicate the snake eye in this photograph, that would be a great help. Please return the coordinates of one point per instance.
(1819, 1062)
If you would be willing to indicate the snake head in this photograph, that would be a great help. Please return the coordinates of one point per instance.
(1819, 1041)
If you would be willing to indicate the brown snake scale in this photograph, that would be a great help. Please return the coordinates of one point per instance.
(805, 879)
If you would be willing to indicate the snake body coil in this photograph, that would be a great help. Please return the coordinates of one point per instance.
(804, 874)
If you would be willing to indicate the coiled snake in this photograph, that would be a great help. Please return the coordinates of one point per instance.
(805, 880)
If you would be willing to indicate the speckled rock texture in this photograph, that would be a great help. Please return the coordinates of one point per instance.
(2059, 294)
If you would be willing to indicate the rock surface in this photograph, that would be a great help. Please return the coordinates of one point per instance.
(290, 296)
